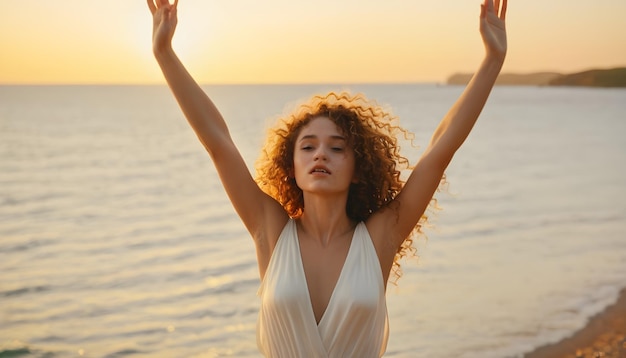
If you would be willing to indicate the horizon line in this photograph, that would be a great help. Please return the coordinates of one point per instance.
(293, 83)
(303, 83)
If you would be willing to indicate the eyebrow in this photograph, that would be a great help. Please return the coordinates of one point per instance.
(313, 136)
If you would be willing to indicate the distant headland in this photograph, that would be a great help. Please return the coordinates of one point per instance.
(614, 77)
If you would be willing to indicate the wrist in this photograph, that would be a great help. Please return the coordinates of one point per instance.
(162, 51)
(494, 61)
(495, 57)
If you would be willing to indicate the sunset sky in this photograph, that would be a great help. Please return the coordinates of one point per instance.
(288, 41)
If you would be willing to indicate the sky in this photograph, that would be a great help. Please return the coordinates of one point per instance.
(297, 41)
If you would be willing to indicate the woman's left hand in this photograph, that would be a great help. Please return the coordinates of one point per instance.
(492, 27)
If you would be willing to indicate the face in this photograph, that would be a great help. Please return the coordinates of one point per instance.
(323, 161)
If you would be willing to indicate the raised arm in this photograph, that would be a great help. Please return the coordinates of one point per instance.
(203, 116)
(453, 128)
(458, 122)
(259, 212)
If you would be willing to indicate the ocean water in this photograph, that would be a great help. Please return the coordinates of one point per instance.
(117, 239)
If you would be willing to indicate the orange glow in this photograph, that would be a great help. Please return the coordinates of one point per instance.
(282, 41)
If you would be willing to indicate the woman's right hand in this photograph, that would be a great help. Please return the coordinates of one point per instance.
(164, 22)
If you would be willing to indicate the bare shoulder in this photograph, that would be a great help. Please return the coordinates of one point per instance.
(382, 229)
(274, 219)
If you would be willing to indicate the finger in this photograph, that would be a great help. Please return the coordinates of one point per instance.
(489, 5)
(503, 10)
(151, 6)
(497, 7)
(482, 11)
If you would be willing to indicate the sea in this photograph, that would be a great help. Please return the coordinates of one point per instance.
(118, 240)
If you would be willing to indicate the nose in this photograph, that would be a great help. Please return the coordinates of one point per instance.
(320, 154)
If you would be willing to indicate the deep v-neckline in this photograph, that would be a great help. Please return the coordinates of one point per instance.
(339, 278)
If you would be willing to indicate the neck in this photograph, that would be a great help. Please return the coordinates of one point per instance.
(324, 219)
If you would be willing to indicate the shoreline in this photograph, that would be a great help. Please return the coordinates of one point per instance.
(603, 336)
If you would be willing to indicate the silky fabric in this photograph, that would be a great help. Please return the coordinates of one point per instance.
(355, 322)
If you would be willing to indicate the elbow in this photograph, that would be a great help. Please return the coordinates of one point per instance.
(436, 159)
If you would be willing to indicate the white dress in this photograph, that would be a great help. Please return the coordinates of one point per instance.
(355, 321)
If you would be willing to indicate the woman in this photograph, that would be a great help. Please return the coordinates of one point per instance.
(328, 213)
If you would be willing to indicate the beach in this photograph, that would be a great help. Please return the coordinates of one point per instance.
(117, 238)
(603, 336)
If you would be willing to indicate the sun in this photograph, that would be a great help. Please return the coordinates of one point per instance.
(193, 40)
(195, 31)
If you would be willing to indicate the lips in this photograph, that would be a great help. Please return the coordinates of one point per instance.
(319, 169)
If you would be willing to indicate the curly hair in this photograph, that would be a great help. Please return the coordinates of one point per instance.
(373, 134)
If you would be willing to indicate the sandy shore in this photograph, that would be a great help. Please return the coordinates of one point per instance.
(604, 336)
